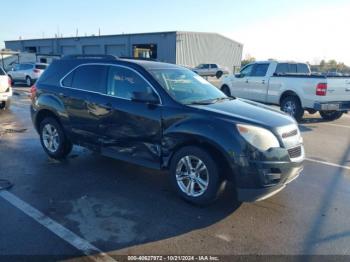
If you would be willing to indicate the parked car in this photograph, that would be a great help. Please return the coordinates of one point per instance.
(5, 90)
(210, 70)
(164, 116)
(293, 87)
(28, 72)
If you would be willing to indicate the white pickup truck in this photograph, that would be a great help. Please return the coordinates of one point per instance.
(5, 90)
(293, 87)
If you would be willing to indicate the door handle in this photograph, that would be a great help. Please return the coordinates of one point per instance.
(263, 82)
(247, 81)
(62, 95)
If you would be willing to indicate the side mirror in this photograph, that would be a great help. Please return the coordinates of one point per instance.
(239, 75)
(145, 97)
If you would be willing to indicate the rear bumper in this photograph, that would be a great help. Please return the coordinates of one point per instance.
(5, 96)
(332, 106)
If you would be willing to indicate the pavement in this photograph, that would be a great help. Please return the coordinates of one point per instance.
(91, 204)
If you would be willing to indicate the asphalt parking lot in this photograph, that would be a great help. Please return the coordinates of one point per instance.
(110, 206)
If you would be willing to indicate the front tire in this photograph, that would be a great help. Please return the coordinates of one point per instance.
(53, 139)
(292, 106)
(195, 176)
(331, 115)
(226, 90)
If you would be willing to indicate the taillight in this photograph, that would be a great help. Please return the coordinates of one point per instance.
(9, 81)
(321, 89)
(33, 92)
(36, 71)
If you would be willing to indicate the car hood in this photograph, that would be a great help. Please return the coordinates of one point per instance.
(247, 111)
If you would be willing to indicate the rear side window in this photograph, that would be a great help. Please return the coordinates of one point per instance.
(25, 67)
(293, 68)
(88, 78)
(2, 72)
(41, 67)
(214, 66)
(123, 83)
(260, 70)
(303, 69)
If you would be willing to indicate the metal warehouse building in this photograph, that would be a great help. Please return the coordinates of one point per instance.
(183, 48)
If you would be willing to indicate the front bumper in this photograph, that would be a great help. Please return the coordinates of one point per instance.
(332, 106)
(262, 177)
(258, 194)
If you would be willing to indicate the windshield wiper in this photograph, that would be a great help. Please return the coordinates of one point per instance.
(210, 101)
(200, 102)
(221, 99)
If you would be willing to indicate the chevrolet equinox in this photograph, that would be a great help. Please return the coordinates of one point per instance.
(164, 116)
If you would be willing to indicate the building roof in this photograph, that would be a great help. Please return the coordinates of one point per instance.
(115, 35)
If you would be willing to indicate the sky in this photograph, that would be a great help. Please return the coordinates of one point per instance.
(306, 31)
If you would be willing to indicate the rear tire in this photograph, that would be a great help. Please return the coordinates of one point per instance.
(29, 81)
(292, 106)
(195, 176)
(219, 74)
(331, 115)
(226, 90)
(53, 139)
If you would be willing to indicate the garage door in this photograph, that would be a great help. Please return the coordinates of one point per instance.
(45, 49)
(92, 50)
(69, 50)
(117, 50)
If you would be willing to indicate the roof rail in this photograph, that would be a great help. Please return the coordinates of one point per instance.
(105, 57)
(139, 58)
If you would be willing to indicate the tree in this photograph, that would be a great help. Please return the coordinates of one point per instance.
(247, 60)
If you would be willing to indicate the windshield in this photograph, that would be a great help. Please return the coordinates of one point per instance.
(187, 87)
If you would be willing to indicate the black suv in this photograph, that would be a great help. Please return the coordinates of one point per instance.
(165, 116)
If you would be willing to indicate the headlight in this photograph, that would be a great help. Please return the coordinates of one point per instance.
(258, 137)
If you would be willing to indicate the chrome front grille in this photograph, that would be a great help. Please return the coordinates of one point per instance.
(292, 141)
(295, 152)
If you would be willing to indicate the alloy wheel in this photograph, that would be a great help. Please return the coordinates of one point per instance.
(192, 176)
(290, 108)
(50, 138)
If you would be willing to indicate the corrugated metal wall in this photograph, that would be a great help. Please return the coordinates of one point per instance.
(119, 45)
(183, 48)
(193, 49)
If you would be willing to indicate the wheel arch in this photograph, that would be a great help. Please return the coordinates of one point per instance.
(45, 113)
(289, 93)
(213, 149)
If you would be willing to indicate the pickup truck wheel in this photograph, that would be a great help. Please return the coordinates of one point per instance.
(331, 115)
(219, 74)
(53, 139)
(195, 176)
(29, 81)
(226, 90)
(292, 106)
